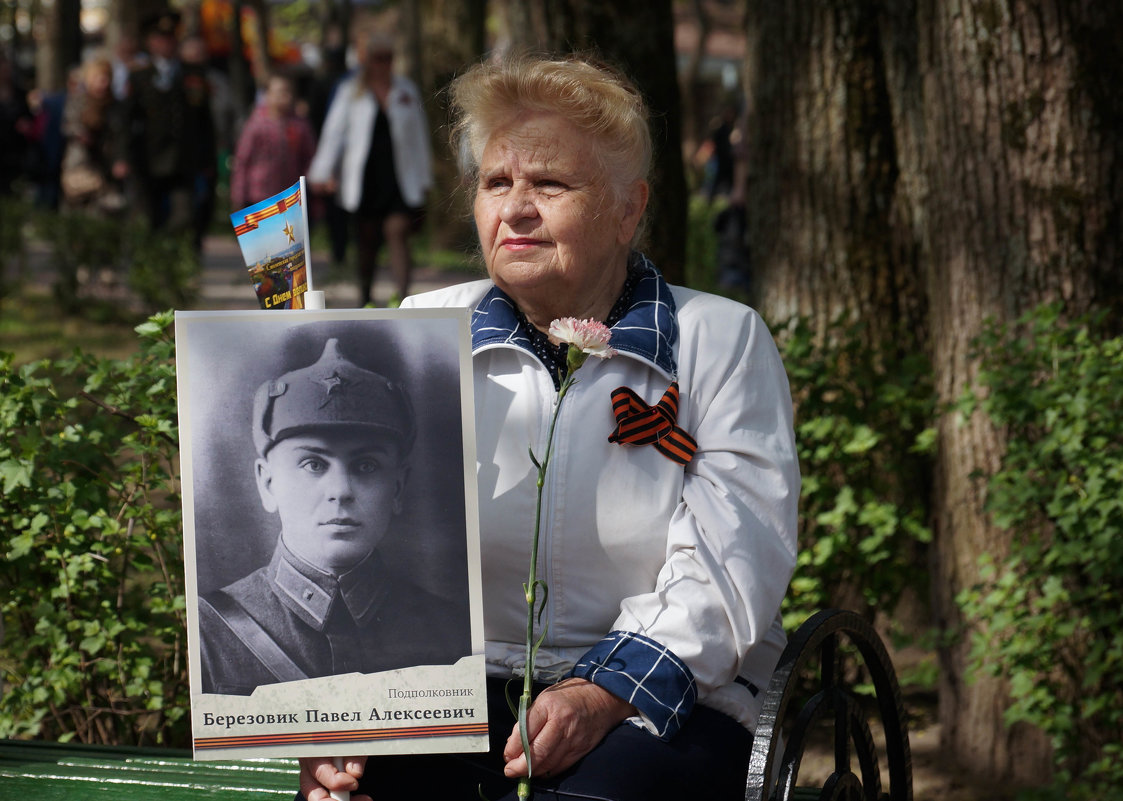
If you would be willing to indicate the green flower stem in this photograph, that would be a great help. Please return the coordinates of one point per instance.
(533, 582)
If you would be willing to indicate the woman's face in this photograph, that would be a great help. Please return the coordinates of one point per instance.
(98, 80)
(552, 234)
(378, 59)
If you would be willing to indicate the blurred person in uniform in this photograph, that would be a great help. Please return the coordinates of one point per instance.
(734, 263)
(203, 92)
(721, 159)
(333, 444)
(170, 134)
(374, 155)
(127, 56)
(274, 149)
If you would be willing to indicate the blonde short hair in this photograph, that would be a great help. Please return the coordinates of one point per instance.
(597, 99)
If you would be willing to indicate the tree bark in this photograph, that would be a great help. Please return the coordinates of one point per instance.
(452, 36)
(693, 129)
(929, 164)
(60, 49)
(829, 229)
(1023, 168)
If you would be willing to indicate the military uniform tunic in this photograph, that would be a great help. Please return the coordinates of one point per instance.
(368, 620)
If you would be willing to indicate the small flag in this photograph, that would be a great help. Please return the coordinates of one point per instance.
(272, 235)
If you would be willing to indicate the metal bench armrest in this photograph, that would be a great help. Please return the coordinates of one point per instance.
(774, 765)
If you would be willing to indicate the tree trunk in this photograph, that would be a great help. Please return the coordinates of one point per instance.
(694, 129)
(639, 35)
(1023, 170)
(929, 164)
(452, 35)
(262, 59)
(60, 49)
(827, 227)
(239, 68)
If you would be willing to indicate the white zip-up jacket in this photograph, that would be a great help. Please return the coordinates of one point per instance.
(345, 141)
(664, 582)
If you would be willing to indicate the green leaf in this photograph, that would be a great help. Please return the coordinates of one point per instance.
(864, 439)
(21, 545)
(15, 474)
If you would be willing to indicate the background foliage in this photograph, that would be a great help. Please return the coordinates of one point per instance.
(90, 513)
(863, 429)
(92, 577)
(98, 265)
(89, 252)
(1048, 614)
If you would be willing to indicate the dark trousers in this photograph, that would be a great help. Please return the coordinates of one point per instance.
(168, 203)
(708, 759)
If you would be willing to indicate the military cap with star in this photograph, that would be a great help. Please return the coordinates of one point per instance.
(164, 22)
(333, 392)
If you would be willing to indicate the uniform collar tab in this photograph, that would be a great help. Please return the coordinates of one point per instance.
(311, 593)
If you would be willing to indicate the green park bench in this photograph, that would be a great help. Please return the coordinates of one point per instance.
(831, 641)
(65, 772)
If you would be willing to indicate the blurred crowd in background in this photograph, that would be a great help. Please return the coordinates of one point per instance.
(156, 126)
(153, 126)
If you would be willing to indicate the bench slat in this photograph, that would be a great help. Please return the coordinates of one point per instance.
(59, 771)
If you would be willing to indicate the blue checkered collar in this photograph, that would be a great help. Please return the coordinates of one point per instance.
(648, 330)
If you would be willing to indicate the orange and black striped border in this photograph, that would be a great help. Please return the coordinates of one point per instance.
(254, 217)
(328, 737)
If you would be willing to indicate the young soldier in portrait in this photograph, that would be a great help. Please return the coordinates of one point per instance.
(333, 443)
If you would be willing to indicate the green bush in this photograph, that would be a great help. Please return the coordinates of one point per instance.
(163, 270)
(160, 268)
(14, 214)
(863, 417)
(91, 584)
(701, 244)
(1048, 614)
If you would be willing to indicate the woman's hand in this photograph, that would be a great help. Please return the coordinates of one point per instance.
(318, 777)
(565, 722)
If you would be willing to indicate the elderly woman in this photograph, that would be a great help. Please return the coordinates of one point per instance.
(665, 580)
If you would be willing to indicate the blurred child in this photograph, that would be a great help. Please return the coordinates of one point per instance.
(274, 149)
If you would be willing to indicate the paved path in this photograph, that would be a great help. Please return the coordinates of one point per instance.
(226, 284)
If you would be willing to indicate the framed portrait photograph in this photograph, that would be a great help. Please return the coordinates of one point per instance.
(331, 532)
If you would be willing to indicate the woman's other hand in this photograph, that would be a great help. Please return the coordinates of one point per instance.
(565, 722)
(319, 777)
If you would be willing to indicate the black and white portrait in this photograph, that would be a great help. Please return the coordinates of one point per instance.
(327, 493)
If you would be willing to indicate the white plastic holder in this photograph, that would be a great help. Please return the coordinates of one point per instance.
(339, 795)
(314, 300)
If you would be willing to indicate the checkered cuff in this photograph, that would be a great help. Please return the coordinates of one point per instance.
(645, 674)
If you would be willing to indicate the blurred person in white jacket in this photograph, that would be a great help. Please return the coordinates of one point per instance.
(374, 156)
